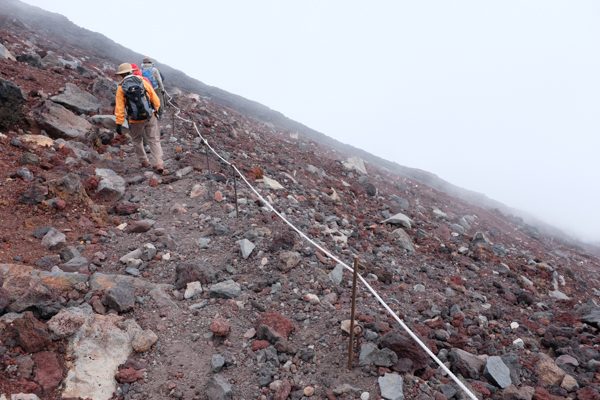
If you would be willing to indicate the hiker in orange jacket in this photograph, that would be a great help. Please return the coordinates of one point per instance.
(137, 72)
(136, 127)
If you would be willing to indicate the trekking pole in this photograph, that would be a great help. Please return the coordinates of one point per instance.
(351, 344)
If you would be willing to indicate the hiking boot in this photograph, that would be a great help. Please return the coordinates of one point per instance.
(145, 164)
(161, 171)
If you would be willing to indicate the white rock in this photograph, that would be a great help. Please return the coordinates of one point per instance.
(270, 183)
(514, 325)
(98, 347)
(193, 289)
(312, 299)
(355, 164)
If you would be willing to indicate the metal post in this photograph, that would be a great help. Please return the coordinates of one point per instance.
(173, 134)
(351, 344)
(207, 161)
(237, 213)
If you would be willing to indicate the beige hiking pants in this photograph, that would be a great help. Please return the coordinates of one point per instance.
(153, 134)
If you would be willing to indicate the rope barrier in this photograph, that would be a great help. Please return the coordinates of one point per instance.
(328, 254)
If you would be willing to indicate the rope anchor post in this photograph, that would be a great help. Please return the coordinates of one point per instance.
(237, 213)
(351, 344)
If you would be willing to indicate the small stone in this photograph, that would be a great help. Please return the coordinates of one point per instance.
(54, 240)
(218, 196)
(120, 298)
(192, 289)
(217, 362)
(25, 173)
(217, 388)
(309, 391)
(220, 327)
(144, 340)
(64, 324)
(226, 290)
(391, 386)
(203, 243)
(246, 247)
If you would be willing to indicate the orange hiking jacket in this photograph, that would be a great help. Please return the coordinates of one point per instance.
(120, 101)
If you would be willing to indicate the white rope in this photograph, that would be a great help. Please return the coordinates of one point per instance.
(367, 285)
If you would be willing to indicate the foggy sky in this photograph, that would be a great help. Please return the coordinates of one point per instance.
(497, 97)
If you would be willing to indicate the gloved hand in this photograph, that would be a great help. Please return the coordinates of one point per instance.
(119, 130)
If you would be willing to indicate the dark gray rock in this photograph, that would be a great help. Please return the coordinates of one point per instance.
(514, 365)
(25, 173)
(32, 196)
(120, 298)
(57, 121)
(221, 229)
(12, 99)
(497, 372)
(218, 388)
(32, 59)
(77, 100)
(217, 363)
(76, 264)
(402, 203)
(48, 261)
(391, 387)
(592, 318)
(105, 90)
(68, 253)
(54, 240)
(29, 159)
(226, 290)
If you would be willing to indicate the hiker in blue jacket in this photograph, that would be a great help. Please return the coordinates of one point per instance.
(154, 76)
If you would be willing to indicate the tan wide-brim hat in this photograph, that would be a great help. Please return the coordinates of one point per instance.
(124, 69)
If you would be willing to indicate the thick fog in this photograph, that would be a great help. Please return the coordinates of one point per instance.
(502, 98)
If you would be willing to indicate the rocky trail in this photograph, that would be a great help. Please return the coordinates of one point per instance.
(119, 283)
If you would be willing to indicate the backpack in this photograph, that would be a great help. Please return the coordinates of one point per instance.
(149, 73)
(162, 77)
(138, 104)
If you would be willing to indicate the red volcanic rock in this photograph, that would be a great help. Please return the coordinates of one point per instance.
(220, 327)
(218, 196)
(260, 344)
(31, 334)
(405, 347)
(273, 326)
(128, 375)
(479, 388)
(126, 208)
(588, 393)
(543, 394)
(283, 391)
(48, 373)
(91, 184)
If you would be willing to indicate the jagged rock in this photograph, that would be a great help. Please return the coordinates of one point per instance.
(111, 186)
(220, 327)
(25, 173)
(33, 195)
(480, 238)
(403, 240)
(4, 299)
(246, 246)
(497, 372)
(57, 121)
(402, 203)
(273, 327)
(54, 240)
(52, 60)
(188, 273)
(32, 59)
(144, 340)
(69, 188)
(95, 362)
(12, 99)
(120, 298)
(193, 289)
(589, 306)
(137, 253)
(391, 386)
(221, 229)
(289, 260)
(592, 318)
(370, 353)
(337, 274)
(30, 159)
(217, 363)
(141, 226)
(64, 324)
(31, 334)
(4, 53)
(105, 90)
(405, 347)
(77, 100)
(398, 219)
(48, 372)
(355, 164)
(269, 183)
(218, 388)
(226, 290)
(548, 372)
(77, 264)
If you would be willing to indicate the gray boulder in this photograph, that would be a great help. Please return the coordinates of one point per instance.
(12, 99)
(391, 386)
(217, 388)
(592, 318)
(111, 186)
(32, 59)
(77, 100)
(336, 274)
(57, 121)
(4, 53)
(497, 372)
(246, 246)
(52, 60)
(402, 203)
(120, 298)
(226, 290)
(105, 91)
(54, 240)
(403, 240)
(398, 219)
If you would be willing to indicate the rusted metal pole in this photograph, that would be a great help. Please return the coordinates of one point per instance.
(237, 213)
(207, 161)
(351, 344)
